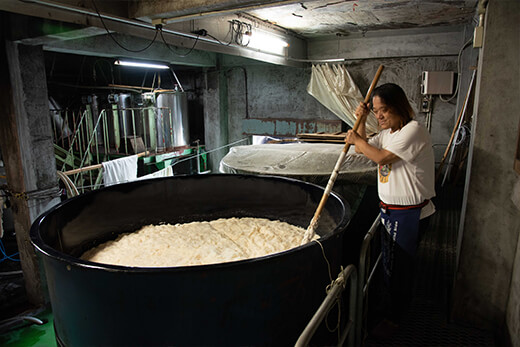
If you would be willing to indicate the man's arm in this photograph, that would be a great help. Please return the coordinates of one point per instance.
(380, 156)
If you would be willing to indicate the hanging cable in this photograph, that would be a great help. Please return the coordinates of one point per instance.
(220, 42)
(114, 39)
(229, 33)
(462, 135)
(239, 30)
(206, 39)
(459, 72)
(159, 28)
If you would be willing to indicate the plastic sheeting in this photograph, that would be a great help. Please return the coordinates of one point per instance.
(333, 87)
(309, 162)
(305, 161)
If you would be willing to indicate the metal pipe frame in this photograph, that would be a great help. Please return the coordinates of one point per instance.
(364, 282)
(349, 273)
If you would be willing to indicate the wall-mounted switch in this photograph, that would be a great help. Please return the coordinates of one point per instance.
(426, 104)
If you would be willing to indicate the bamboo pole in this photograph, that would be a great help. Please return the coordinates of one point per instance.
(309, 233)
(95, 166)
(456, 127)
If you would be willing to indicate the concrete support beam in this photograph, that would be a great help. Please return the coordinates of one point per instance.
(223, 31)
(27, 149)
(76, 34)
(199, 8)
(216, 116)
(38, 31)
(389, 44)
(104, 46)
(486, 279)
(135, 28)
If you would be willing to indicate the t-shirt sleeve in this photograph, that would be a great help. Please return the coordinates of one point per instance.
(409, 142)
(375, 141)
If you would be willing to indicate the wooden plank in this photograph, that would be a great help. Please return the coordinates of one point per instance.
(338, 137)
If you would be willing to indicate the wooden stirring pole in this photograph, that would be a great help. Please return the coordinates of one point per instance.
(309, 233)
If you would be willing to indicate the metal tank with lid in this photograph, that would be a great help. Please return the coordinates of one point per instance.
(172, 118)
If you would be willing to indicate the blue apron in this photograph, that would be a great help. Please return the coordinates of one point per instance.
(401, 228)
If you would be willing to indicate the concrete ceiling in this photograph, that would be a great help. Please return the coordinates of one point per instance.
(307, 18)
(320, 17)
(300, 21)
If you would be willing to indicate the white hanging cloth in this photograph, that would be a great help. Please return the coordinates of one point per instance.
(166, 172)
(120, 170)
(334, 88)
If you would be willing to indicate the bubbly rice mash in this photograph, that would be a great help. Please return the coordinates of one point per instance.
(197, 243)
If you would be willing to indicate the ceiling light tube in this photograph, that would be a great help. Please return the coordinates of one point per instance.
(265, 41)
(141, 64)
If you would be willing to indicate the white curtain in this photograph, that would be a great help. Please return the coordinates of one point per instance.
(333, 86)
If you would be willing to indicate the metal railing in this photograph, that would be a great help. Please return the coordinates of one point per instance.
(364, 280)
(336, 290)
(358, 298)
(82, 138)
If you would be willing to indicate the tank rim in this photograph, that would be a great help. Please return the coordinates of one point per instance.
(55, 254)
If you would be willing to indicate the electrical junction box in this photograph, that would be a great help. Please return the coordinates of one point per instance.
(437, 82)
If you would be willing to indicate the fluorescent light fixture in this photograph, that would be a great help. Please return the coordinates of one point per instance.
(141, 64)
(266, 42)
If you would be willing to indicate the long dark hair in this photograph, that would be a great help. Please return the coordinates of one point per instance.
(394, 97)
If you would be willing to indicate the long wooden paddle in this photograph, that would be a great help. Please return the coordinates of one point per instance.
(309, 233)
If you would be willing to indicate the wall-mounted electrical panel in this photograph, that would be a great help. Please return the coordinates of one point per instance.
(437, 82)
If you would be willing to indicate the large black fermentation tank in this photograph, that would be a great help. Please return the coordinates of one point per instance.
(261, 301)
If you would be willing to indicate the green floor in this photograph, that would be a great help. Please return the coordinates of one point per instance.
(27, 334)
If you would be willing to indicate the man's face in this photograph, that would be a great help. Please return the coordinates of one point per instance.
(385, 116)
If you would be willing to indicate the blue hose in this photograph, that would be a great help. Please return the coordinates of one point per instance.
(4, 254)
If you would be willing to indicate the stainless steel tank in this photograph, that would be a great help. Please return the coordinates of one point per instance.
(130, 120)
(172, 120)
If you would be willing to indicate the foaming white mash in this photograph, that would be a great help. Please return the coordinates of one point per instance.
(198, 243)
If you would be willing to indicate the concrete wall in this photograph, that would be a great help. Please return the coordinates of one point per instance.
(487, 288)
(406, 72)
(275, 91)
(254, 90)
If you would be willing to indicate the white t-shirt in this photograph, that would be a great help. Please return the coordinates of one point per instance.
(411, 180)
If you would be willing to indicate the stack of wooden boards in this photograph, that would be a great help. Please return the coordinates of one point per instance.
(338, 137)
